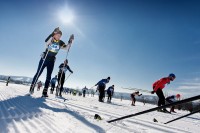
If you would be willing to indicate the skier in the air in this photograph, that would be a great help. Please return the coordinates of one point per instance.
(137, 93)
(61, 76)
(157, 88)
(53, 84)
(53, 45)
(110, 92)
(171, 99)
(101, 88)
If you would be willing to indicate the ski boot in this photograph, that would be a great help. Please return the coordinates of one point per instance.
(31, 91)
(44, 93)
(172, 110)
(166, 111)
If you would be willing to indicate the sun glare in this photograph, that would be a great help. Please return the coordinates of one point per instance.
(66, 16)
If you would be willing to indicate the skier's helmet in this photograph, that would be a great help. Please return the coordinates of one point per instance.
(172, 76)
(108, 78)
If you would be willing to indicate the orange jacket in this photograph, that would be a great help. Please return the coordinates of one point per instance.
(160, 84)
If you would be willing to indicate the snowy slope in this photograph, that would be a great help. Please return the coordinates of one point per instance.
(21, 113)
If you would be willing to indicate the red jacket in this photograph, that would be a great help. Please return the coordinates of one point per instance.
(160, 84)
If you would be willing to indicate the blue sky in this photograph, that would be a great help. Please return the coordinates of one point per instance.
(135, 42)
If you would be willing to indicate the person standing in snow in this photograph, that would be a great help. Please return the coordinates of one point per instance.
(8, 80)
(133, 97)
(53, 84)
(110, 92)
(61, 76)
(101, 87)
(39, 84)
(53, 45)
(158, 86)
(171, 99)
(84, 91)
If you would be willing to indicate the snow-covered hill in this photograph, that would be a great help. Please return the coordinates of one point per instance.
(17, 78)
(32, 114)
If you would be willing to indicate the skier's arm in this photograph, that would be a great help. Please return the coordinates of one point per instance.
(61, 65)
(69, 69)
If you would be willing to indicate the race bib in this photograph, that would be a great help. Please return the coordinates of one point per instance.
(54, 47)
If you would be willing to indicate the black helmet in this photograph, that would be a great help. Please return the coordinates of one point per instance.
(172, 75)
(108, 78)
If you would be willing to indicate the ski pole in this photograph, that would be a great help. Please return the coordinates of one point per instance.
(69, 43)
(40, 70)
(156, 108)
(183, 116)
(68, 76)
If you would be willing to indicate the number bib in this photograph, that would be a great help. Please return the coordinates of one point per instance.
(54, 47)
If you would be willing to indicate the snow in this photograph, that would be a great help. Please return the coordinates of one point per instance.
(20, 113)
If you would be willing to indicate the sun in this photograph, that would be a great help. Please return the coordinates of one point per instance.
(66, 16)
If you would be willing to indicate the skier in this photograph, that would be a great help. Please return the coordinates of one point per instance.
(133, 97)
(8, 80)
(157, 88)
(53, 83)
(101, 87)
(53, 45)
(61, 76)
(39, 84)
(171, 99)
(84, 91)
(110, 92)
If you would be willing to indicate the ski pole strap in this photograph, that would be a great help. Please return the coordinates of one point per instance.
(156, 108)
(183, 116)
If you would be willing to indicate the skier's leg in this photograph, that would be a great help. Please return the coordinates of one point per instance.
(134, 100)
(160, 97)
(62, 83)
(50, 66)
(58, 85)
(38, 73)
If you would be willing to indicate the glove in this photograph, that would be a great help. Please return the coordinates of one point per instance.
(152, 92)
(72, 72)
(140, 95)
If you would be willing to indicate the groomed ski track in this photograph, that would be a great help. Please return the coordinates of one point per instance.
(21, 113)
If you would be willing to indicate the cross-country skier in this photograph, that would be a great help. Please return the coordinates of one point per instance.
(171, 99)
(137, 93)
(101, 87)
(39, 84)
(8, 80)
(110, 92)
(53, 45)
(158, 86)
(53, 83)
(61, 76)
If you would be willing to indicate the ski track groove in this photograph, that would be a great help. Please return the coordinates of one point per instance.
(34, 121)
(128, 129)
(132, 120)
(25, 113)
